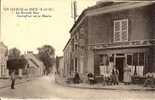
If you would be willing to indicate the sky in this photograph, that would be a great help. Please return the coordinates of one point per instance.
(29, 33)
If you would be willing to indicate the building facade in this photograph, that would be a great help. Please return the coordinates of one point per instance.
(68, 61)
(3, 61)
(119, 34)
(60, 66)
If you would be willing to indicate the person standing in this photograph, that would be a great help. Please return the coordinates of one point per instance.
(127, 75)
(115, 75)
(13, 79)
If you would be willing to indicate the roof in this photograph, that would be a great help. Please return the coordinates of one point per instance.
(3, 45)
(67, 44)
(33, 60)
(107, 7)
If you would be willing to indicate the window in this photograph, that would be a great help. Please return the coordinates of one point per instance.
(121, 30)
(76, 46)
(141, 59)
(135, 59)
(138, 59)
(76, 62)
(129, 59)
(73, 45)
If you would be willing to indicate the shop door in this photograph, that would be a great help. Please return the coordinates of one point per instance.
(120, 67)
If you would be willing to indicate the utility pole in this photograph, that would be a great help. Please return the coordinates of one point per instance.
(74, 10)
(0, 21)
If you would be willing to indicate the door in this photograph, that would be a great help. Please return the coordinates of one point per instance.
(120, 67)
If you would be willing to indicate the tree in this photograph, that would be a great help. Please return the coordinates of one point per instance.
(15, 60)
(16, 63)
(47, 56)
(14, 53)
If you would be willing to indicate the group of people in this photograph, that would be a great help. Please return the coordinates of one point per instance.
(112, 78)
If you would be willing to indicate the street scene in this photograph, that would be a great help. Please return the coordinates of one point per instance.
(102, 50)
(43, 88)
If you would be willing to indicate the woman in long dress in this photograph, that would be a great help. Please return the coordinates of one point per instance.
(127, 75)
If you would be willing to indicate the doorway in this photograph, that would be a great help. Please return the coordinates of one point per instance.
(120, 67)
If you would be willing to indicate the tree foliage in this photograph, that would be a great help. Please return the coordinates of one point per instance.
(14, 53)
(46, 54)
(15, 59)
(16, 63)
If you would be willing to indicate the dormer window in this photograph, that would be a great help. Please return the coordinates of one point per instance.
(121, 30)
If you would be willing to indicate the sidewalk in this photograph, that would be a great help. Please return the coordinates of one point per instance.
(121, 86)
(7, 82)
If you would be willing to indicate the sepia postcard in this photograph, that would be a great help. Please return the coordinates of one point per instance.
(77, 50)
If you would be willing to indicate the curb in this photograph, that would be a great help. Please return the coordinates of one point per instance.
(103, 88)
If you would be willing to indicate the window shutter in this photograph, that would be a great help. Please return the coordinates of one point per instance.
(117, 30)
(121, 30)
(124, 30)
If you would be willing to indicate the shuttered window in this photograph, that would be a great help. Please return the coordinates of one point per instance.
(121, 30)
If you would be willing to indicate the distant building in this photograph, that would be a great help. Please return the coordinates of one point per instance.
(60, 66)
(34, 65)
(112, 34)
(3, 61)
(68, 61)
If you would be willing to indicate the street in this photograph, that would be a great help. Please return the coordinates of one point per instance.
(45, 87)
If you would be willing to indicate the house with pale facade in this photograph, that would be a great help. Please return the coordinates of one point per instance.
(4, 73)
(34, 66)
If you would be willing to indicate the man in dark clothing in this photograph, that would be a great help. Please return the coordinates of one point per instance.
(76, 78)
(13, 79)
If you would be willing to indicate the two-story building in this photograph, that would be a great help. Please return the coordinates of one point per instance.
(3, 61)
(112, 34)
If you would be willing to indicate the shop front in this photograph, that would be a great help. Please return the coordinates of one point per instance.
(136, 59)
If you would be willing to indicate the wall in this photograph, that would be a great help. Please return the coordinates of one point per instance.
(153, 35)
(67, 55)
(99, 29)
(140, 24)
(101, 26)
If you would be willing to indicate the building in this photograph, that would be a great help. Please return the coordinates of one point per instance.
(60, 65)
(112, 34)
(3, 61)
(68, 61)
(34, 65)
